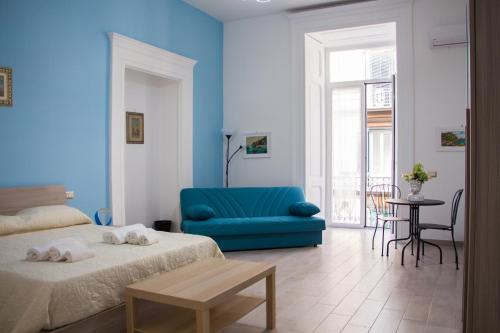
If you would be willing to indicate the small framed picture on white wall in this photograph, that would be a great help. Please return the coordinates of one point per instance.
(135, 127)
(257, 145)
(450, 139)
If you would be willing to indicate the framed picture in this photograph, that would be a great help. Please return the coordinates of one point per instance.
(451, 139)
(257, 145)
(5, 86)
(135, 127)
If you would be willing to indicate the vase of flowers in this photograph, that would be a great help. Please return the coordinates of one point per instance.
(416, 178)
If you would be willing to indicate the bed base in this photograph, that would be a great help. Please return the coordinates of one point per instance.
(112, 320)
(108, 321)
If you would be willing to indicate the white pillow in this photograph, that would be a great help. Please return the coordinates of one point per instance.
(10, 225)
(43, 217)
(54, 216)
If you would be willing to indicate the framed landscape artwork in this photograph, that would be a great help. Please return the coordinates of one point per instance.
(257, 145)
(5, 86)
(135, 127)
(451, 139)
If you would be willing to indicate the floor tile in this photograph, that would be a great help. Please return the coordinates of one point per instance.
(387, 321)
(334, 323)
(344, 286)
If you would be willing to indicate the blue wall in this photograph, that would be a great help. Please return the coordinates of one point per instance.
(57, 131)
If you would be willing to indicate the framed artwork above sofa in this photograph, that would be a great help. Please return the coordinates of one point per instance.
(257, 145)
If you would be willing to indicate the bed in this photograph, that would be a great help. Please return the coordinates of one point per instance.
(85, 296)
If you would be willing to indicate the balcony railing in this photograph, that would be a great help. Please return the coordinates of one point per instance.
(346, 199)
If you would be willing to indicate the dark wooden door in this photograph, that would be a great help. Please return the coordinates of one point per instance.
(482, 252)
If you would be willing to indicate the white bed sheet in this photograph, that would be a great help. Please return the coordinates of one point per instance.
(47, 295)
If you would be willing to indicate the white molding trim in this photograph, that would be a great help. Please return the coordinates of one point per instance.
(132, 54)
(359, 14)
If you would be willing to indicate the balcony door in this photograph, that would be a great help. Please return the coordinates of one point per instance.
(349, 122)
(360, 148)
(346, 136)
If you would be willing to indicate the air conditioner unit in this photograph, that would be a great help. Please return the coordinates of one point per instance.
(449, 35)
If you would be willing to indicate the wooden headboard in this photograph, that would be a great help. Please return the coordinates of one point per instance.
(15, 199)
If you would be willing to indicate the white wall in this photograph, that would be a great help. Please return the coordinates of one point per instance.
(258, 95)
(151, 168)
(440, 101)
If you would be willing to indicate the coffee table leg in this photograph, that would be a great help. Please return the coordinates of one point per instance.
(203, 321)
(271, 301)
(131, 314)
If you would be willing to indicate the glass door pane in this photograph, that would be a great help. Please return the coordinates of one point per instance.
(380, 145)
(347, 133)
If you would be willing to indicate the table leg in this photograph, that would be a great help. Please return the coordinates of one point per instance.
(202, 321)
(396, 240)
(413, 225)
(418, 249)
(271, 301)
(403, 253)
(131, 314)
(417, 234)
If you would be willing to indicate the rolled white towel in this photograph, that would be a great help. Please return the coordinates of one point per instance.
(149, 237)
(41, 252)
(78, 253)
(38, 252)
(58, 250)
(133, 235)
(118, 235)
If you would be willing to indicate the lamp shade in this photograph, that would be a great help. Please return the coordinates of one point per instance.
(227, 131)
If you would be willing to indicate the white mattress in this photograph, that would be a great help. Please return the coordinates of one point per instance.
(47, 295)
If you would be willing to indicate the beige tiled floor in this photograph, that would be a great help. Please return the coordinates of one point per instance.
(344, 286)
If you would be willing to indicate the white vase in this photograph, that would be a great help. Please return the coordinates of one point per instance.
(415, 188)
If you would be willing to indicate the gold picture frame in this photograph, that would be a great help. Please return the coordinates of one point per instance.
(5, 86)
(135, 128)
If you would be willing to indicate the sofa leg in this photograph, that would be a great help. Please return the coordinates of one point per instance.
(315, 245)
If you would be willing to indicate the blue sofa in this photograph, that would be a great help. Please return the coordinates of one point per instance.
(251, 218)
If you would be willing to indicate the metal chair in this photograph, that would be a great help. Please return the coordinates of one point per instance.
(384, 211)
(431, 226)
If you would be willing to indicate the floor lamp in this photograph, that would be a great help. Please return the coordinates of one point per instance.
(228, 134)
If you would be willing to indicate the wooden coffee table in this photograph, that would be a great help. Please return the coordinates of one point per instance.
(202, 297)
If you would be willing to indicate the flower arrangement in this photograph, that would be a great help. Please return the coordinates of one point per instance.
(418, 174)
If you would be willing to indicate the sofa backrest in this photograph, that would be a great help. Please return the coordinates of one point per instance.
(243, 201)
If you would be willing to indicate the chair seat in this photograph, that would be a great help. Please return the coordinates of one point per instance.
(393, 218)
(433, 226)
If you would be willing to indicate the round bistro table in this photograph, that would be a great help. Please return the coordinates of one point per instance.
(414, 221)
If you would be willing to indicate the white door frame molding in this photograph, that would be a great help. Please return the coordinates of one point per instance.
(360, 14)
(128, 53)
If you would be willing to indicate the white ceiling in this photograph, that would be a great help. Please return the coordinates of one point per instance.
(231, 10)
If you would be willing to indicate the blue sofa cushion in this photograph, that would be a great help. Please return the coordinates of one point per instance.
(305, 209)
(199, 212)
(253, 226)
(242, 201)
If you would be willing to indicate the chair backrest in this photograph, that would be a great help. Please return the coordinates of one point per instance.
(454, 206)
(238, 202)
(379, 195)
